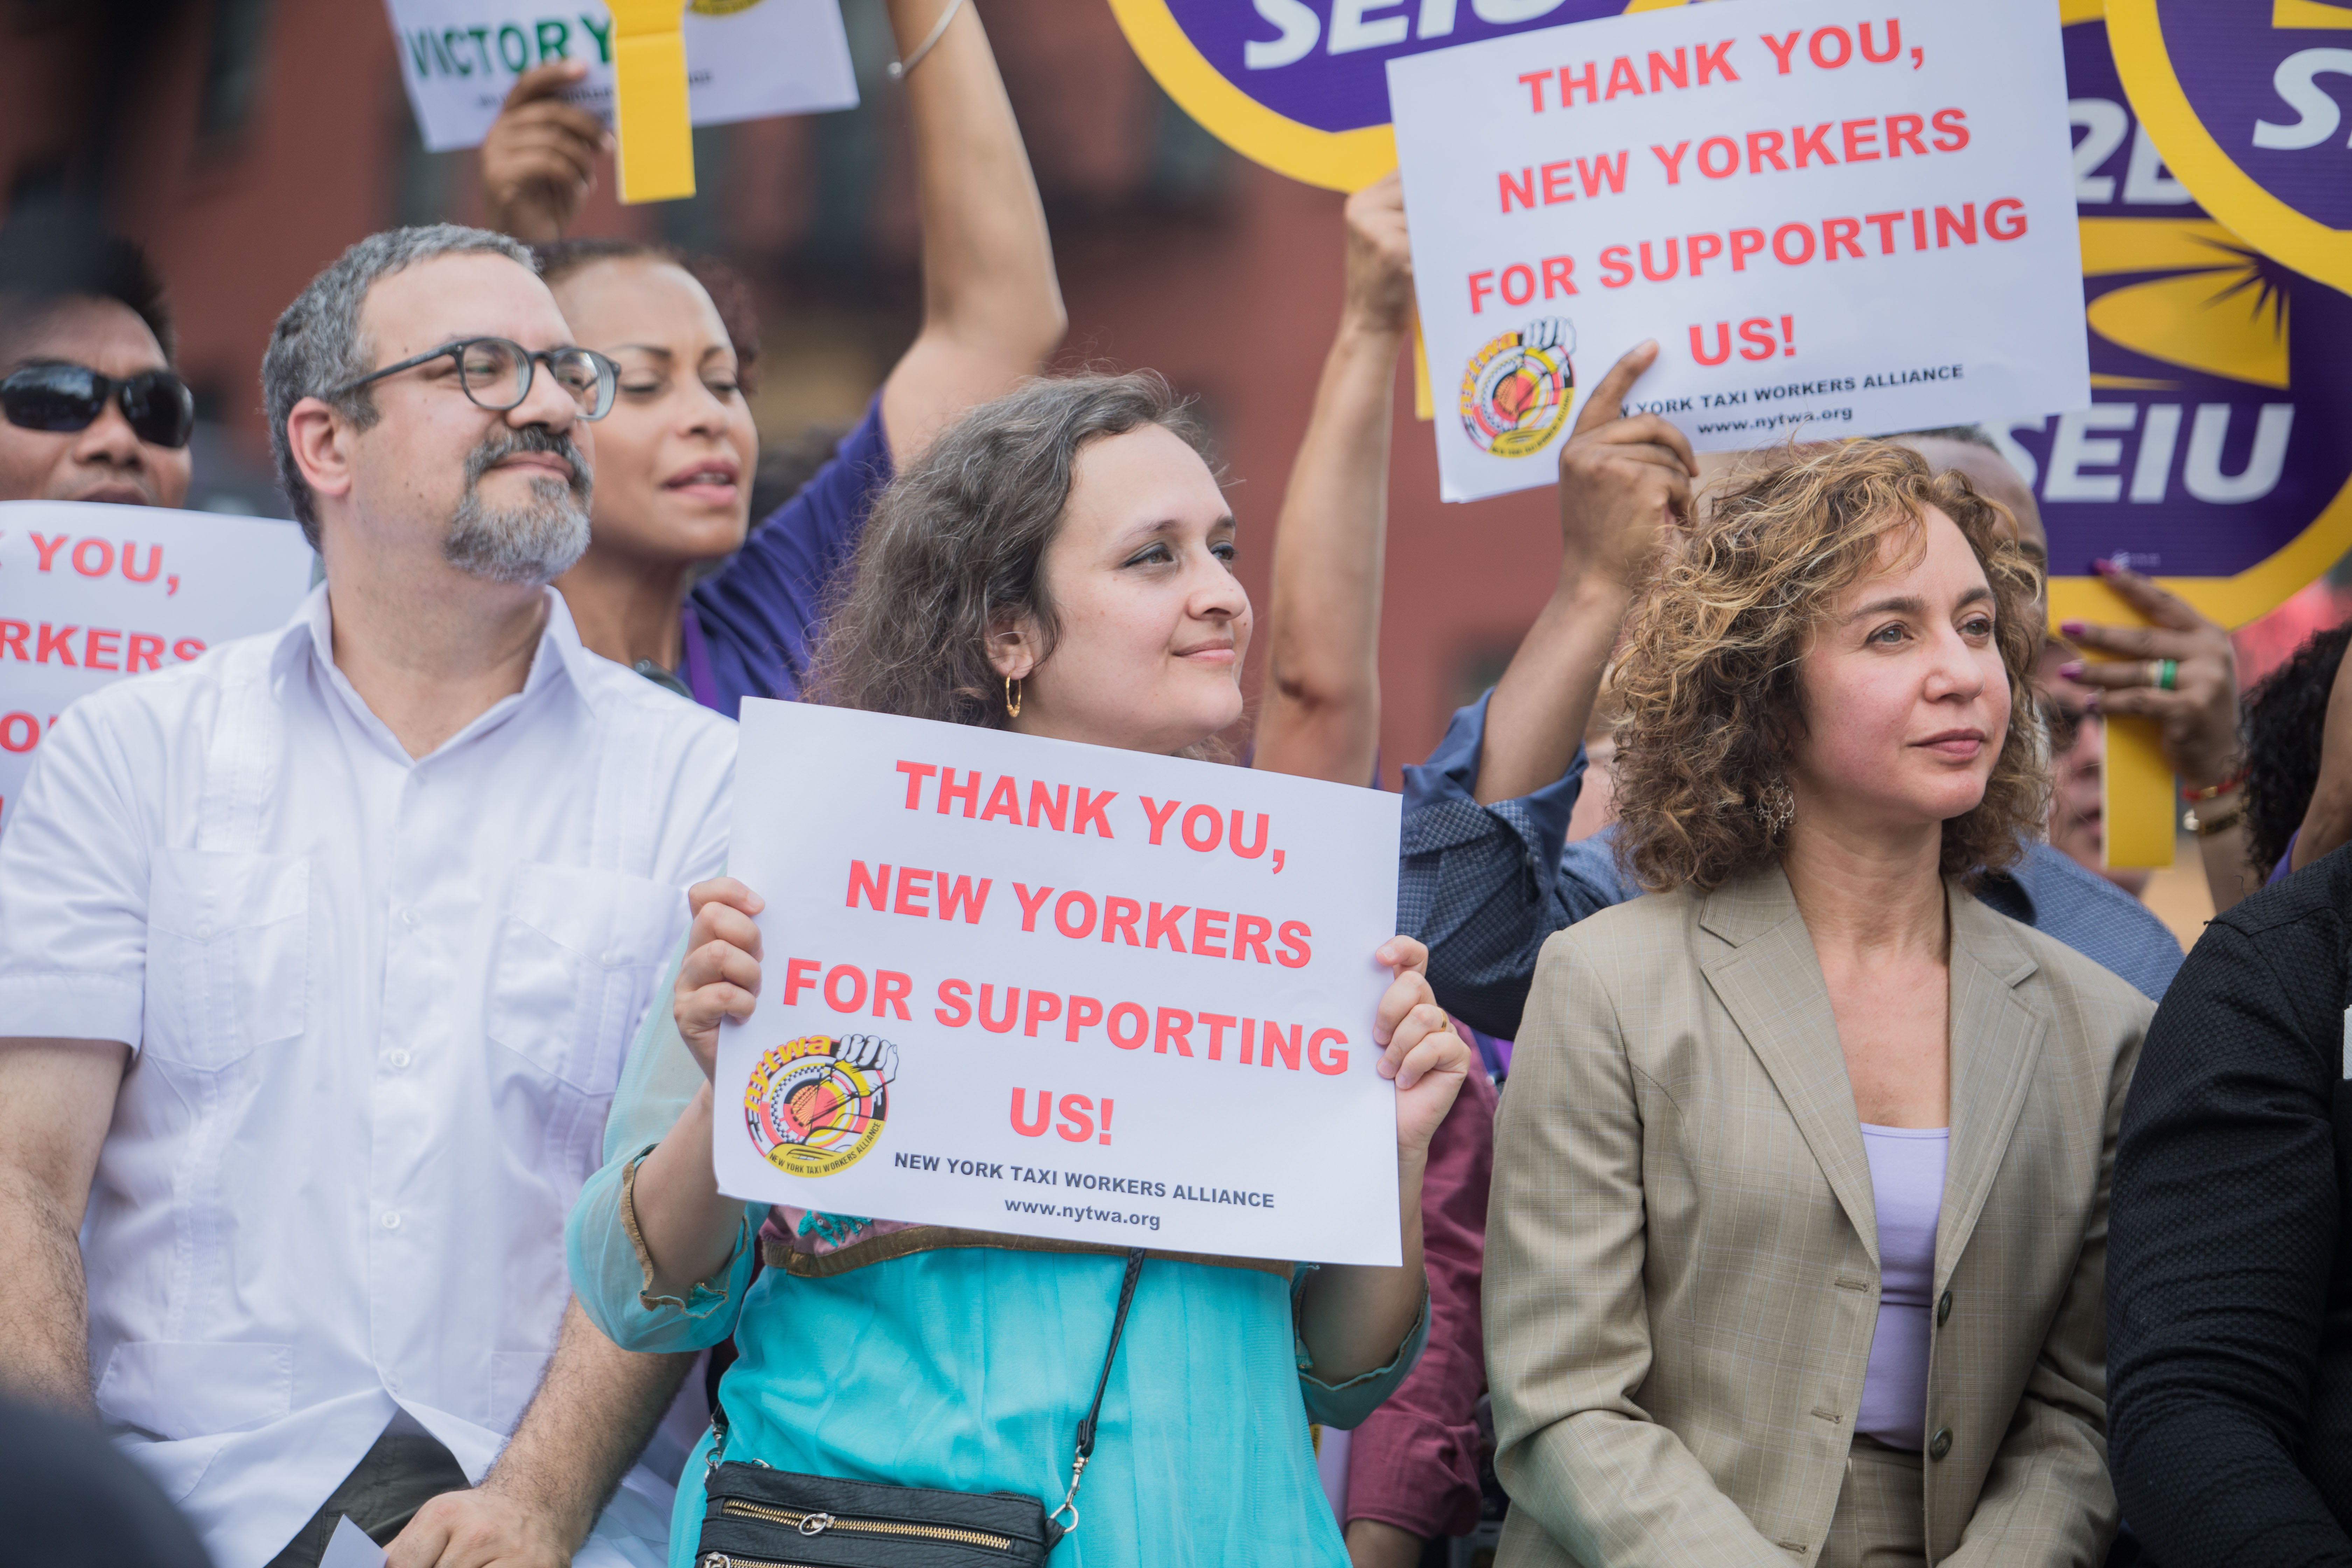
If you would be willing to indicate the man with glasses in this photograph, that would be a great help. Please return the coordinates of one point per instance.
(91, 408)
(323, 954)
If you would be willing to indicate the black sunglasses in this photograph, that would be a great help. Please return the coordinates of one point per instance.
(496, 373)
(158, 404)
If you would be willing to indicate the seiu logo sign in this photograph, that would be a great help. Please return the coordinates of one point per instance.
(2296, 81)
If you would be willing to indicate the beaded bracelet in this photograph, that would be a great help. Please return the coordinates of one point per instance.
(2214, 792)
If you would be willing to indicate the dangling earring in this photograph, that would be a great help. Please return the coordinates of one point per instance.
(1012, 697)
(1776, 807)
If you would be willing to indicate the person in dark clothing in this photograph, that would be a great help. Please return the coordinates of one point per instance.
(2228, 1269)
(68, 1500)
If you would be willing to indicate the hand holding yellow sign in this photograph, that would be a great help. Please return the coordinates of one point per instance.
(656, 153)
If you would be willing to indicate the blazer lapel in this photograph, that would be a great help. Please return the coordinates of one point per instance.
(1771, 983)
(1996, 1042)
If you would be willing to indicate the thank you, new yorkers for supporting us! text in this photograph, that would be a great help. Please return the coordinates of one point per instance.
(1836, 221)
(1020, 984)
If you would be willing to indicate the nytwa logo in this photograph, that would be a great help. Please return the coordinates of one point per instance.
(816, 1105)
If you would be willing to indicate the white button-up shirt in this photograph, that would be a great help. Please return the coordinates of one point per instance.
(379, 1006)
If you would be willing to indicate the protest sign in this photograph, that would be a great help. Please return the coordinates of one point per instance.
(1833, 224)
(652, 119)
(2211, 455)
(1029, 987)
(745, 59)
(90, 593)
(2245, 99)
(1301, 86)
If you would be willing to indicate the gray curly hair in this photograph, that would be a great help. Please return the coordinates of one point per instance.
(317, 345)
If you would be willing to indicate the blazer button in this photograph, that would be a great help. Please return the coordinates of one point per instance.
(1943, 1309)
(1940, 1444)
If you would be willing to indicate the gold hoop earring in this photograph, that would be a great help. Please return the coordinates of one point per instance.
(1012, 697)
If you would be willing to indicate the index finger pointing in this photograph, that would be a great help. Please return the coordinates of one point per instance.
(1608, 398)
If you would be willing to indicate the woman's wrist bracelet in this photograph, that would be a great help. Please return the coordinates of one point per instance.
(2213, 792)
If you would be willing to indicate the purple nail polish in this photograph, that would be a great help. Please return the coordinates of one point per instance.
(2071, 671)
(2071, 628)
(2103, 567)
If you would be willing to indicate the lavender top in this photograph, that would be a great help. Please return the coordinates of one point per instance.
(1907, 1184)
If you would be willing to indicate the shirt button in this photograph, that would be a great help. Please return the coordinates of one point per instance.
(398, 1060)
(1940, 1444)
(611, 961)
(392, 1222)
(203, 931)
(410, 919)
(1943, 1309)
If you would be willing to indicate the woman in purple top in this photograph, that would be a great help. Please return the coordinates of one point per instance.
(674, 459)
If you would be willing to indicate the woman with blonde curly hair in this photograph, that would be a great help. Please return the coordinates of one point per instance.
(1800, 1209)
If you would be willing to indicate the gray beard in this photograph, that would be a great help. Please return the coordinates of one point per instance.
(532, 544)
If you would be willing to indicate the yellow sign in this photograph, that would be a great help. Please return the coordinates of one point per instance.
(657, 151)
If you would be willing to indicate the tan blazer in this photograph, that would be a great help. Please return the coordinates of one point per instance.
(1682, 1252)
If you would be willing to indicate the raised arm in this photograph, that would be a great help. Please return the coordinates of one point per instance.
(1623, 482)
(991, 306)
(57, 1097)
(1322, 713)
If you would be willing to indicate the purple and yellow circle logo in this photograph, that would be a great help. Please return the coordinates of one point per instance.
(816, 1105)
(1515, 391)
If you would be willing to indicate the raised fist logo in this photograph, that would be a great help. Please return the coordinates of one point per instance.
(816, 1105)
(1516, 390)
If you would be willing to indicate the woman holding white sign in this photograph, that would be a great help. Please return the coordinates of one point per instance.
(1799, 1223)
(1059, 563)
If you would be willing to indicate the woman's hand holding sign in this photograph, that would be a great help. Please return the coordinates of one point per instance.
(720, 977)
(1422, 1053)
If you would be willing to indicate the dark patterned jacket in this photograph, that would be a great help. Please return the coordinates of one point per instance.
(2229, 1263)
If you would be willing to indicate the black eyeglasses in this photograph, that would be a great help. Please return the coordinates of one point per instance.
(497, 374)
(158, 405)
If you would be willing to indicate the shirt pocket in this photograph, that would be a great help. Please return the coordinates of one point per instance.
(228, 955)
(578, 954)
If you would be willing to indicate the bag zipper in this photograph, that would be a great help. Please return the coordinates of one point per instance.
(815, 1523)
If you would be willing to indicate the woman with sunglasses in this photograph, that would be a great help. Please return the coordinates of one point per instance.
(91, 408)
(674, 460)
(1059, 563)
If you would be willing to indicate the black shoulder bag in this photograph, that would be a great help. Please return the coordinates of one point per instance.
(763, 1518)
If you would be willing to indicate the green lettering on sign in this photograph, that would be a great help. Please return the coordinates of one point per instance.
(518, 59)
(555, 40)
(603, 36)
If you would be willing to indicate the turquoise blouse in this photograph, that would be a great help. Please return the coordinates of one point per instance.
(969, 1367)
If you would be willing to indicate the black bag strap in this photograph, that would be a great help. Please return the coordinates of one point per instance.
(1085, 1449)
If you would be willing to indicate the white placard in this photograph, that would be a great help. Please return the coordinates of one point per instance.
(745, 59)
(1108, 996)
(91, 592)
(1833, 227)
